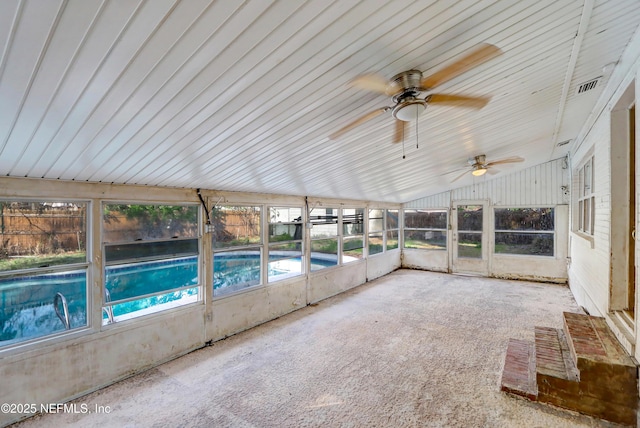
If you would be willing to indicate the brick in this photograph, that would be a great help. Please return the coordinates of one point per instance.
(518, 375)
(582, 367)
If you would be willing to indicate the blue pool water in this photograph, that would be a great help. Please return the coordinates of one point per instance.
(26, 303)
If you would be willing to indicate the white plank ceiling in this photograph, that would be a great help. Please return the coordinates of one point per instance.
(242, 95)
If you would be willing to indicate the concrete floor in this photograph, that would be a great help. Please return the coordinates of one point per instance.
(411, 349)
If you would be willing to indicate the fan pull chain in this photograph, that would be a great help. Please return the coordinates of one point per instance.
(417, 129)
(403, 156)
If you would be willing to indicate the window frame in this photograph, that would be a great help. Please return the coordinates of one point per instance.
(301, 241)
(336, 237)
(389, 231)
(85, 266)
(344, 237)
(262, 281)
(385, 232)
(584, 201)
(376, 232)
(108, 304)
(552, 232)
(444, 230)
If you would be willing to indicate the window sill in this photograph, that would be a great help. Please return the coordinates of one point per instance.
(150, 315)
(523, 256)
(584, 236)
(45, 344)
(423, 249)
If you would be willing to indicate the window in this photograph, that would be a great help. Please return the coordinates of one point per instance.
(425, 229)
(151, 258)
(392, 229)
(237, 248)
(352, 234)
(285, 243)
(586, 198)
(528, 231)
(383, 230)
(324, 237)
(43, 269)
(376, 231)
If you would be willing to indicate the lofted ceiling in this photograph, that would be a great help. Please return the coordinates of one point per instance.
(243, 95)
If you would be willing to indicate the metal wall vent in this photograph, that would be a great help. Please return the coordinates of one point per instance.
(587, 86)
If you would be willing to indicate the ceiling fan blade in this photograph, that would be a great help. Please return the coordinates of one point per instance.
(458, 100)
(472, 58)
(374, 83)
(358, 122)
(506, 160)
(460, 176)
(401, 127)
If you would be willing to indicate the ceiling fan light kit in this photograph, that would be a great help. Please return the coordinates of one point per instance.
(479, 171)
(409, 109)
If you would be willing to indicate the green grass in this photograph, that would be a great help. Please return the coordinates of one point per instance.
(528, 250)
(471, 250)
(422, 245)
(45, 260)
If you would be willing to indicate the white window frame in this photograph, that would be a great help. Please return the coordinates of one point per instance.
(62, 335)
(243, 247)
(107, 305)
(425, 229)
(585, 201)
(269, 244)
(527, 232)
(345, 237)
(396, 229)
(336, 212)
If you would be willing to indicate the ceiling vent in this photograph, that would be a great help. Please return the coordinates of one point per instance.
(587, 86)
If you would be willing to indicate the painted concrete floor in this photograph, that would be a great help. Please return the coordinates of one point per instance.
(411, 349)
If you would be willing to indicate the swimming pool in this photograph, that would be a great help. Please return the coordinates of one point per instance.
(27, 303)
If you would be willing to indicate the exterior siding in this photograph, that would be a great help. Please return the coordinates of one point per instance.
(589, 265)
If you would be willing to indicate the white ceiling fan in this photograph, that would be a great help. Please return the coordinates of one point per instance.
(480, 166)
(405, 90)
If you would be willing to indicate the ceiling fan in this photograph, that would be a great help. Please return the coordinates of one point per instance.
(405, 89)
(479, 165)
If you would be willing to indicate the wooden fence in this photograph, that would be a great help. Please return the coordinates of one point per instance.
(41, 232)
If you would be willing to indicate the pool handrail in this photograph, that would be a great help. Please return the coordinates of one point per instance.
(64, 317)
(108, 308)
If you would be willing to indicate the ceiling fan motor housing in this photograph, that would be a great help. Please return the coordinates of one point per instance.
(478, 160)
(409, 80)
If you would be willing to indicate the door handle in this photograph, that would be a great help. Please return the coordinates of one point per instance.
(633, 234)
